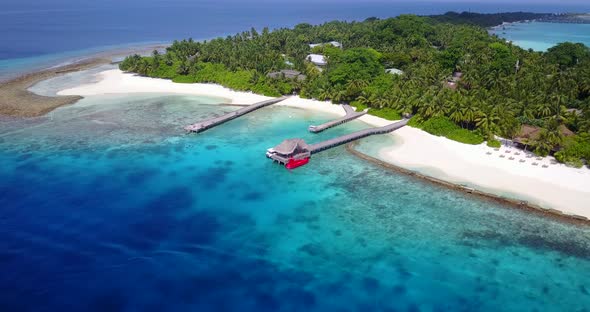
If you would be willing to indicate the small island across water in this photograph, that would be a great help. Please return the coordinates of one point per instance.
(464, 88)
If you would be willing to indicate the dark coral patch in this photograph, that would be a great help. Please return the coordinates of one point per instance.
(253, 196)
(370, 284)
(140, 176)
(213, 177)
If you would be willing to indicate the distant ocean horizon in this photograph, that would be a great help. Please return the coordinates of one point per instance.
(46, 34)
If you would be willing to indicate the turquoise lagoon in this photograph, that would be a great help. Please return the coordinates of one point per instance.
(542, 36)
(107, 205)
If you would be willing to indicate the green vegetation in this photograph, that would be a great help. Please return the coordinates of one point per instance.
(494, 143)
(574, 151)
(568, 54)
(385, 113)
(487, 20)
(501, 88)
(443, 126)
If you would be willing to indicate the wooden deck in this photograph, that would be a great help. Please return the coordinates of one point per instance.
(212, 122)
(351, 114)
(322, 146)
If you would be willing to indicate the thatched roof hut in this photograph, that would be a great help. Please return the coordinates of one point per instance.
(530, 133)
(291, 146)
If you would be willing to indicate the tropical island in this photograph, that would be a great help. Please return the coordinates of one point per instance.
(151, 172)
(447, 71)
(484, 112)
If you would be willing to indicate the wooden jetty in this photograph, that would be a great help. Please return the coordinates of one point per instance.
(351, 114)
(322, 146)
(298, 149)
(212, 122)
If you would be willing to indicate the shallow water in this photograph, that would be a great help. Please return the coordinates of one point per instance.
(106, 205)
(542, 36)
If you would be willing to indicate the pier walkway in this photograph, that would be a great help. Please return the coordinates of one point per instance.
(212, 122)
(322, 146)
(351, 114)
(297, 149)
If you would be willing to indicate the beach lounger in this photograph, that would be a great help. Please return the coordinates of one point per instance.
(545, 166)
(502, 156)
(535, 164)
(522, 160)
(511, 158)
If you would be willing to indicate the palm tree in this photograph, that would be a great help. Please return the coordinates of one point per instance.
(488, 121)
(364, 99)
(427, 109)
(356, 85)
(470, 111)
(338, 96)
(541, 144)
(183, 68)
(544, 108)
(455, 107)
(548, 138)
(143, 68)
(168, 59)
(324, 94)
(558, 106)
(494, 80)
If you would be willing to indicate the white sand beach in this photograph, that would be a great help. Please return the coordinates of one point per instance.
(546, 184)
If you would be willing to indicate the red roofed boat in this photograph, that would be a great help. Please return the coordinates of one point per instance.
(295, 163)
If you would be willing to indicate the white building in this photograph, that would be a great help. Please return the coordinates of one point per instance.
(394, 71)
(334, 43)
(317, 59)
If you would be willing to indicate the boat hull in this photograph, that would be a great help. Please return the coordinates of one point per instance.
(296, 163)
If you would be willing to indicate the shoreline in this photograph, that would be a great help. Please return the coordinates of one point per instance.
(17, 101)
(511, 202)
(555, 188)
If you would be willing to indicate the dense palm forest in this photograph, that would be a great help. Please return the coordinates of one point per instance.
(500, 86)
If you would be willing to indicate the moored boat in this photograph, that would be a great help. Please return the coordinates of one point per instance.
(295, 163)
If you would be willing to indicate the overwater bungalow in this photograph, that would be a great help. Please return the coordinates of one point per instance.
(289, 149)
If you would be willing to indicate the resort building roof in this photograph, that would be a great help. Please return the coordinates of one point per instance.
(453, 80)
(317, 59)
(334, 43)
(289, 146)
(574, 111)
(530, 133)
(394, 71)
(287, 73)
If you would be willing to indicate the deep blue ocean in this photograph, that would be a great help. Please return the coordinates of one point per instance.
(107, 205)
